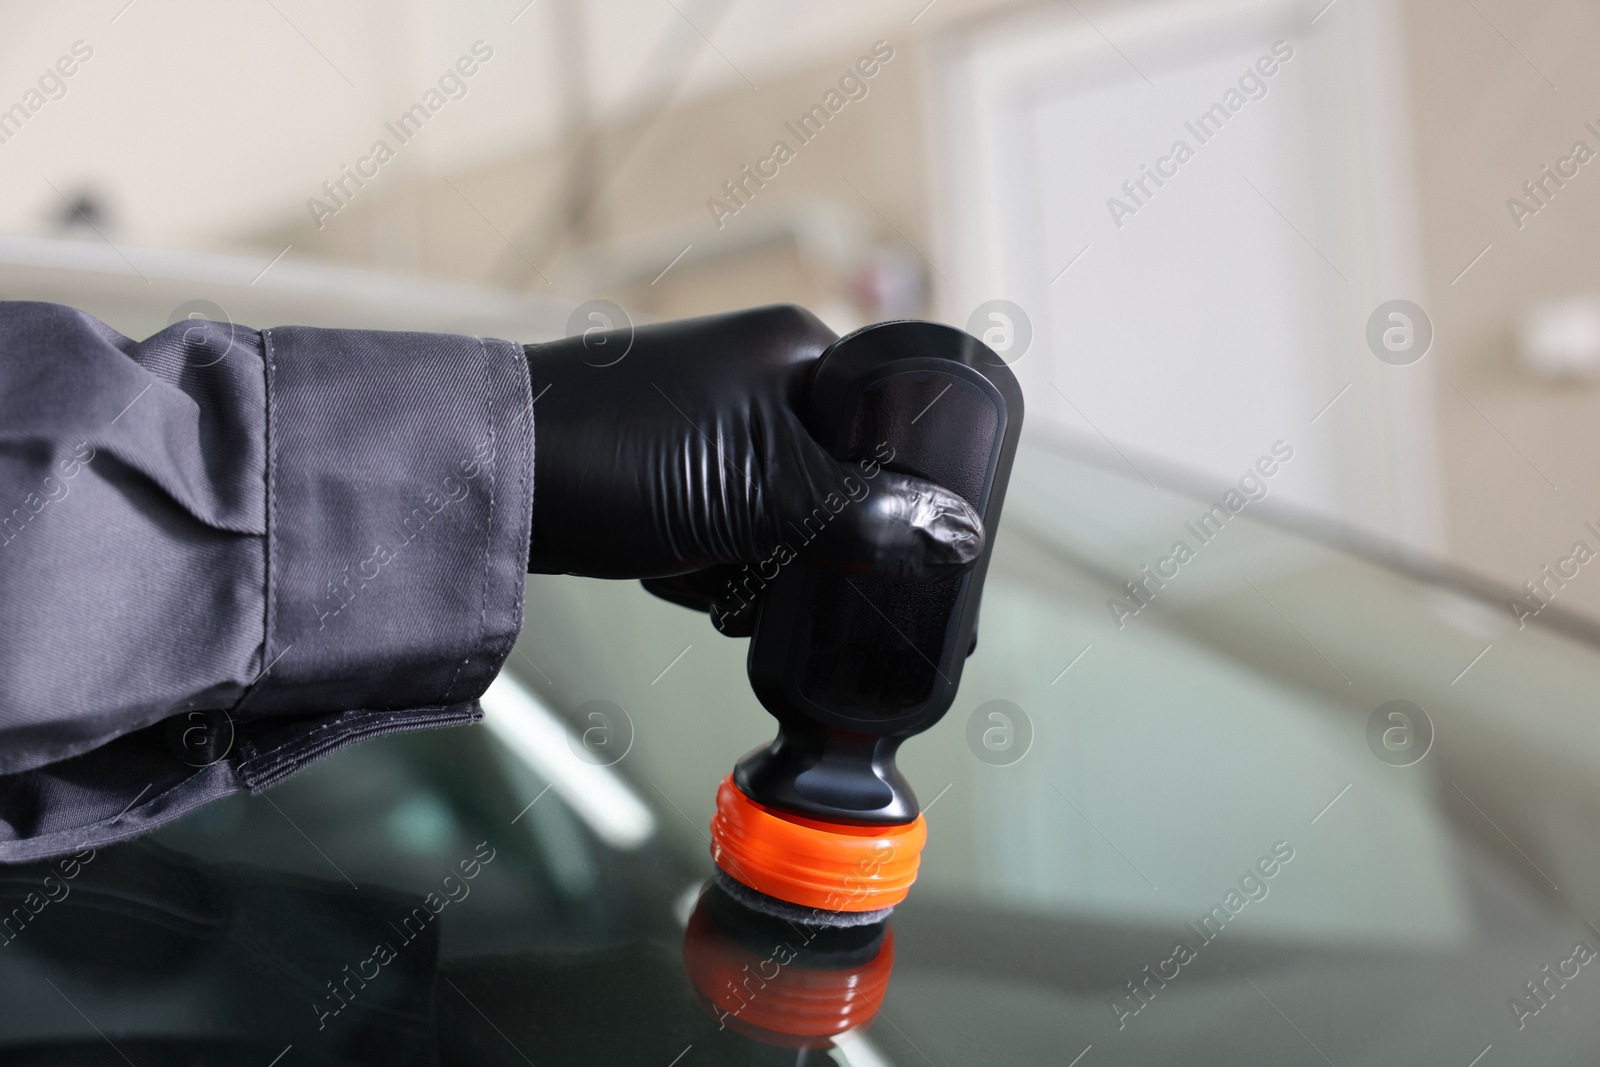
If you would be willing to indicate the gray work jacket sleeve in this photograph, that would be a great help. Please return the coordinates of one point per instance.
(226, 552)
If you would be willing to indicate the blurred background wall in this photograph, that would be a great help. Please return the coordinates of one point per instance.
(1227, 312)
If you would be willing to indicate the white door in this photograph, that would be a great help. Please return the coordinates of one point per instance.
(1199, 207)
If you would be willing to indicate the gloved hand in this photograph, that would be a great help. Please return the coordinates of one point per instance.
(679, 458)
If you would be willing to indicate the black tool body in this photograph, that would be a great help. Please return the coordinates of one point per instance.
(850, 665)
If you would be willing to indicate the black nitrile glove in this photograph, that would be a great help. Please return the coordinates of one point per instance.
(680, 459)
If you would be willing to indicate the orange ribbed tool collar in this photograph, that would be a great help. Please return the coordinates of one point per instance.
(810, 862)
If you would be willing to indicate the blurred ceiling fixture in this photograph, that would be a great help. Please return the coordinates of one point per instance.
(526, 725)
(825, 233)
(888, 284)
(84, 209)
(1559, 340)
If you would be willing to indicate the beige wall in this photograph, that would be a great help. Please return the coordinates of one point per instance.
(1483, 118)
(651, 179)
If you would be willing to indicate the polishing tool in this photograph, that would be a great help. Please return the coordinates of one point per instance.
(820, 826)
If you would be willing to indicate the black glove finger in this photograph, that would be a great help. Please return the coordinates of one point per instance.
(736, 618)
(716, 591)
(696, 590)
(892, 526)
(861, 517)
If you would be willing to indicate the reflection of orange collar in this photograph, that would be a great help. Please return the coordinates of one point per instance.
(812, 863)
(785, 993)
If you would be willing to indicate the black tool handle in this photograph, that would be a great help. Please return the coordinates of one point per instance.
(849, 665)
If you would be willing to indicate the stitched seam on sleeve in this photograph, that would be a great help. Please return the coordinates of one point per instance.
(307, 739)
(494, 468)
(524, 375)
(269, 562)
(266, 767)
(488, 539)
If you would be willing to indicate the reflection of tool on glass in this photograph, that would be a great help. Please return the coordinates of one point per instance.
(781, 983)
(820, 825)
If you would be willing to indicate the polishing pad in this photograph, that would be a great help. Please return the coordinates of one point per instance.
(794, 913)
(811, 870)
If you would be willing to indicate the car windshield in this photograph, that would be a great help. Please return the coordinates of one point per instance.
(1289, 804)
(1278, 740)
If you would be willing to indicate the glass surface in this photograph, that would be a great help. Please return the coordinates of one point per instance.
(1222, 769)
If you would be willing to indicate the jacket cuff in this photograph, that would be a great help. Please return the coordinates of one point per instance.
(399, 507)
